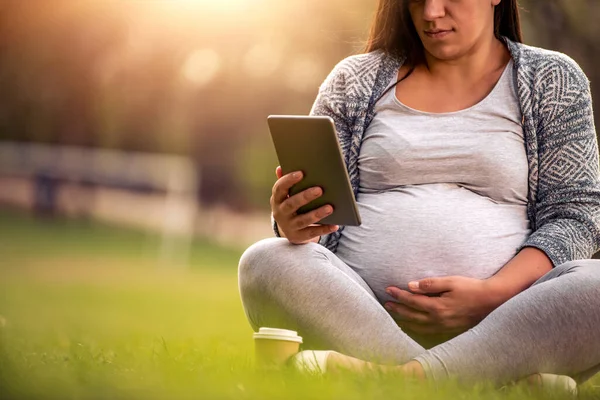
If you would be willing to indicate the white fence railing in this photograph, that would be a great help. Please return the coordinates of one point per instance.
(175, 177)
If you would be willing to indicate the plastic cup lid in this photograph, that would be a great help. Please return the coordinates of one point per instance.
(278, 334)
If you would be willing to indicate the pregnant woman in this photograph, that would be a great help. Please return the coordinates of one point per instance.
(474, 162)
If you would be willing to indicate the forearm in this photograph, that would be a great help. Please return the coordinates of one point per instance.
(518, 274)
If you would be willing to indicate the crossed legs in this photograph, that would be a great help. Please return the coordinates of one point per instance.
(548, 328)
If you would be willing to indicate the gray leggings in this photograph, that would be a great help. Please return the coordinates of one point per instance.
(552, 327)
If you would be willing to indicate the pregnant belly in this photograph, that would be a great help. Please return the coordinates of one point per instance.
(430, 231)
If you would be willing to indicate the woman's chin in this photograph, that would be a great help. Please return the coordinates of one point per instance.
(445, 53)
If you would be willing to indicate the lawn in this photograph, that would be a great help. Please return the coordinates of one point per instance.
(89, 311)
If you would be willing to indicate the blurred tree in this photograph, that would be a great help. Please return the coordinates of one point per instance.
(568, 26)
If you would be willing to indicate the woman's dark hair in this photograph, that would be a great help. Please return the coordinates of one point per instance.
(394, 32)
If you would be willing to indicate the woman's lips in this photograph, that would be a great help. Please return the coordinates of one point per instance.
(438, 34)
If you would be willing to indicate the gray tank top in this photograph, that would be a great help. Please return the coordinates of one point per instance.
(440, 194)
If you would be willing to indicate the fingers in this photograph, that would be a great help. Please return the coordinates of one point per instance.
(313, 231)
(432, 285)
(282, 187)
(298, 228)
(404, 313)
(304, 220)
(290, 205)
(287, 206)
(416, 301)
(305, 227)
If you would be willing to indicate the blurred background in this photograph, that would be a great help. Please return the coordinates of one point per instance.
(152, 113)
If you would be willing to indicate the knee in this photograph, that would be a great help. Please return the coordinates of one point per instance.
(265, 261)
(260, 256)
(588, 270)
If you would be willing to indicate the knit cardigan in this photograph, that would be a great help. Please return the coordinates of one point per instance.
(560, 141)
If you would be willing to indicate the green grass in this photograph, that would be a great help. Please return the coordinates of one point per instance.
(87, 311)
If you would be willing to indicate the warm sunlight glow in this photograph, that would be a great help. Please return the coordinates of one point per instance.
(303, 73)
(201, 66)
(213, 5)
(262, 60)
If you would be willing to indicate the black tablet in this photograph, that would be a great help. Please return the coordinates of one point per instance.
(310, 144)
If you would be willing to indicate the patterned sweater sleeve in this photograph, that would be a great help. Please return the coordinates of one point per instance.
(329, 102)
(567, 213)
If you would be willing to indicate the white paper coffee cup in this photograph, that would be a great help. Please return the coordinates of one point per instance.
(273, 347)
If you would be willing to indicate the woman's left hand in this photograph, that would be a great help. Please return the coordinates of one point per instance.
(460, 304)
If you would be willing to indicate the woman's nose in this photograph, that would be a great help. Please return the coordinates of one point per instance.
(434, 9)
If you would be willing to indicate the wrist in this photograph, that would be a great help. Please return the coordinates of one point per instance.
(499, 290)
(518, 274)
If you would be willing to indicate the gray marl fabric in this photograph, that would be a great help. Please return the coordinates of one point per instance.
(441, 194)
(550, 327)
(560, 140)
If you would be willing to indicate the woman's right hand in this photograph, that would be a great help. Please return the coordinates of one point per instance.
(298, 228)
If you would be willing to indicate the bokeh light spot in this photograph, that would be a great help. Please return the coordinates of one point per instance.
(303, 74)
(262, 60)
(201, 66)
